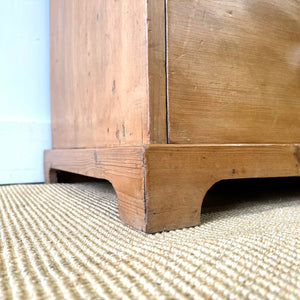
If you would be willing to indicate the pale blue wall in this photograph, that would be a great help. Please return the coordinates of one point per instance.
(24, 89)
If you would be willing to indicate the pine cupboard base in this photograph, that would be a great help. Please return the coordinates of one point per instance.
(164, 98)
(161, 187)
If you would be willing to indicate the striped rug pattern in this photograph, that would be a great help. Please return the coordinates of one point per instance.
(65, 241)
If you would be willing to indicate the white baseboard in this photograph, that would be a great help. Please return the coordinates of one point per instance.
(21, 151)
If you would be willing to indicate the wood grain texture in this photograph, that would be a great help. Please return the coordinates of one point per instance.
(99, 89)
(108, 79)
(234, 71)
(177, 177)
(157, 71)
(122, 166)
(233, 88)
(162, 187)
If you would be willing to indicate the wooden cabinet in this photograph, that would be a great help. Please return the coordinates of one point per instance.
(166, 97)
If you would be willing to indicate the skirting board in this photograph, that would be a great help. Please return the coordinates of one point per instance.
(162, 187)
(22, 147)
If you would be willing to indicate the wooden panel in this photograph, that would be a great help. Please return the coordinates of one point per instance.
(157, 71)
(122, 166)
(177, 177)
(234, 71)
(99, 93)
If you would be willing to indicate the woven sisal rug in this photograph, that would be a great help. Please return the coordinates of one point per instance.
(66, 241)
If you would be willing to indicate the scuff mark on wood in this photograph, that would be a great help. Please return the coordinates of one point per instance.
(118, 135)
(297, 154)
(123, 129)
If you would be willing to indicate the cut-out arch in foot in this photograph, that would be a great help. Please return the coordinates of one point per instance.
(162, 187)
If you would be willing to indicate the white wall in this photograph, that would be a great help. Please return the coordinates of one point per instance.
(24, 90)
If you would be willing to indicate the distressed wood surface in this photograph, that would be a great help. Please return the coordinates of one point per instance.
(122, 166)
(108, 81)
(99, 89)
(230, 71)
(177, 177)
(162, 187)
(234, 71)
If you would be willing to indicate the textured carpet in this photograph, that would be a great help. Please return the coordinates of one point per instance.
(66, 241)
